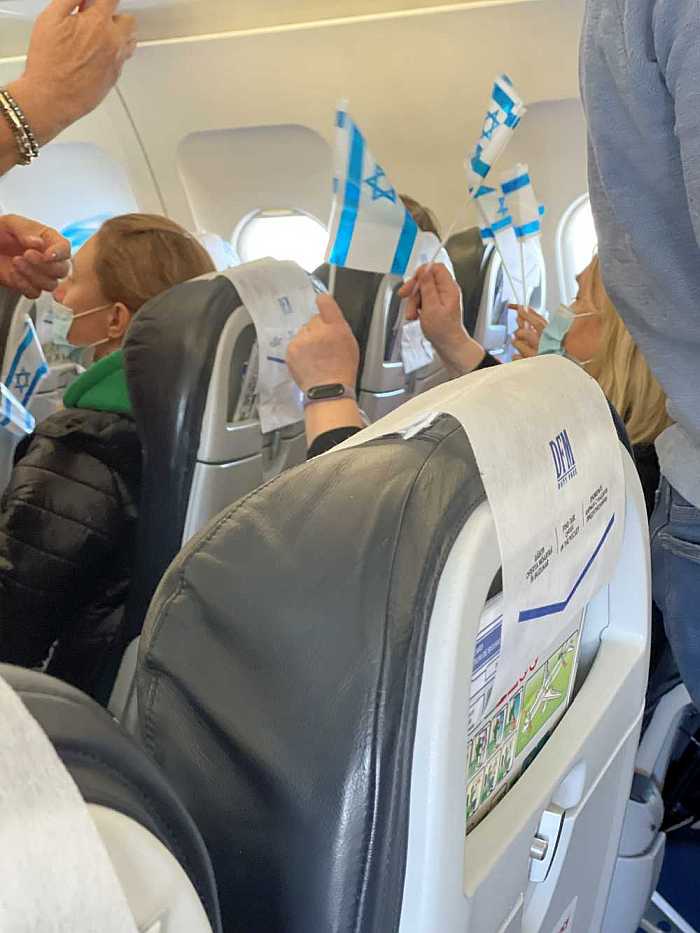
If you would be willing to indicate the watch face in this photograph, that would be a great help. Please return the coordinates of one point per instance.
(318, 393)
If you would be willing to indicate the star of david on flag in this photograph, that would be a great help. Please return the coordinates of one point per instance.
(27, 369)
(495, 216)
(14, 416)
(524, 207)
(504, 113)
(370, 229)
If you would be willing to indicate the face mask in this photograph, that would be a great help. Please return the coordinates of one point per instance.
(62, 321)
(554, 334)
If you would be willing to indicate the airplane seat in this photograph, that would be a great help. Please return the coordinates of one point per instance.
(155, 849)
(470, 260)
(371, 304)
(186, 354)
(311, 707)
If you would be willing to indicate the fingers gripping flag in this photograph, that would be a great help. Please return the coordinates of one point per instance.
(27, 368)
(504, 114)
(523, 205)
(495, 216)
(370, 228)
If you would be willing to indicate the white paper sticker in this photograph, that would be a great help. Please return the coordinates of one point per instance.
(416, 350)
(538, 429)
(566, 924)
(280, 299)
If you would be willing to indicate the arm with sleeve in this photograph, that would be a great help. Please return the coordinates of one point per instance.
(330, 439)
(676, 28)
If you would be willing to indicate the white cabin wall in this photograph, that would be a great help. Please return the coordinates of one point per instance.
(418, 86)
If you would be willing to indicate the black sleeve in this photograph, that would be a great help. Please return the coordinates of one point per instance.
(330, 439)
(487, 362)
(60, 521)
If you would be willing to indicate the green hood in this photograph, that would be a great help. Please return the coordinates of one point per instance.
(102, 388)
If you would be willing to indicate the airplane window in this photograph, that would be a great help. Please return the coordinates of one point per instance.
(576, 244)
(282, 234)
(79, 233)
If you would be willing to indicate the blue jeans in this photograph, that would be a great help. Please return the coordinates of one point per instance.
(675, 562)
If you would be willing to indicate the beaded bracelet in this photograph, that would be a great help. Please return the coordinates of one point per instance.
(24, 137)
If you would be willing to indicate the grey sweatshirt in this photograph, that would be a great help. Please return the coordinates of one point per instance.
(640, 82)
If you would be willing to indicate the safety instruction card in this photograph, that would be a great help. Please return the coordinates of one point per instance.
(503, 737)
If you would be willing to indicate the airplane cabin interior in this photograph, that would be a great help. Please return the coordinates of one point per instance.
(402, 686)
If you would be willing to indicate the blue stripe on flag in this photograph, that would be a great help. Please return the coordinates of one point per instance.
(340, 119)
(486, 233)
(484, 189)
(531, 614)
(528, 229)
(503, 99)
(405, 245)
(542, 210)
(353, 183)
(38, 376)
(512, 120)
(480, 167)
(26, 342)
(502, 224)
(516, 184)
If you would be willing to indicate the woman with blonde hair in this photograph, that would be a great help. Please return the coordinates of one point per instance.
(68, 517)
(594, 335)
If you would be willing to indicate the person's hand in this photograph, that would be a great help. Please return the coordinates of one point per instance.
(325, 351)
(526, 339)
(74, 60)
(33, 257)
(436, 299)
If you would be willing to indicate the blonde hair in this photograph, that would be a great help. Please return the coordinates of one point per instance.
(138, 256)
(623, 373)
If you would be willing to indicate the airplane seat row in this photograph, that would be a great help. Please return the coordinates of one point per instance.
(328, 697)
(157, 856)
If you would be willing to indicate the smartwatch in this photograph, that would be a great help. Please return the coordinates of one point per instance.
(328, 393)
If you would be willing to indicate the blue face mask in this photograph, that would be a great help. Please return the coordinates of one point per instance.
(553, 336)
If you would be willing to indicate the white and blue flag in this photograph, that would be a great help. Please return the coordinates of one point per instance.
(14, 417)
(27, 368)
(505, 112)
(524, 207)
(494, 215)
(370, 228)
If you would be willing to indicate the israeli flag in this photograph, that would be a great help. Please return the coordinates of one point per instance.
(493, 212)
(15, 417)
(27, 369)
(370, 228)
(504, 114)
(525, 209)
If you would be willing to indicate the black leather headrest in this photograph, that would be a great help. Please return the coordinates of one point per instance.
(111, 770)
(466, 250)
(356, 293)
(280, 674)
(169, 355)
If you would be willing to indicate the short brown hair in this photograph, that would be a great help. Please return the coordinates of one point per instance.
(139, 256)
(423, 216)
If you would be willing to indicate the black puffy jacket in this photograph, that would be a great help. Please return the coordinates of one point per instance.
(67, 531)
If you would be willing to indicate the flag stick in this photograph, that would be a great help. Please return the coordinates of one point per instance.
(331, 280)
(498, 249)
(523, 273)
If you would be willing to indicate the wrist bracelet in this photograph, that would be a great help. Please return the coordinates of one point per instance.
(24, 137)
